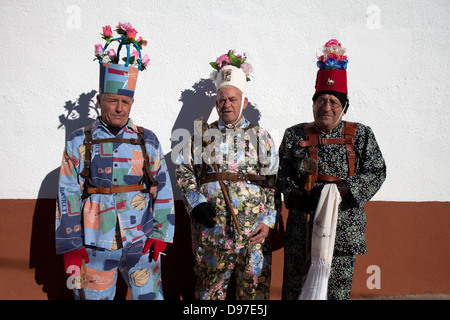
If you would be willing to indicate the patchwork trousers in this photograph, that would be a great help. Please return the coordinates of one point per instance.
(142, 276)
(251, 265)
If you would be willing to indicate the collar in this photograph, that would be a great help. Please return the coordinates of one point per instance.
(100, 124)
(243, 123)
(337, 130)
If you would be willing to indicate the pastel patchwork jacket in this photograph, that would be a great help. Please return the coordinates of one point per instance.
(112, 220)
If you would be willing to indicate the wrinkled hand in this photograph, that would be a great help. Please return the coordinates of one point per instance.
(204, 214)
(158, 247)
(74, 258)
(260, 233)
(344, 189)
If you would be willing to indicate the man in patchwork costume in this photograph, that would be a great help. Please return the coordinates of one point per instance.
(226, 174)
(326, 151)
(114, 196)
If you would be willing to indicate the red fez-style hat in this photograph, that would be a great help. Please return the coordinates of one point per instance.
(332, 74)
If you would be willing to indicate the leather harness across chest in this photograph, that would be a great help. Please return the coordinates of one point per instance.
(146, 180)
(265, 181)
(313, 141)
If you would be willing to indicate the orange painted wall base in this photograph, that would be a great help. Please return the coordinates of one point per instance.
(409, 245)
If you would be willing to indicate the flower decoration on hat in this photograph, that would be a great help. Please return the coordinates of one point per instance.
(333, 57)
(231, 58)
(127, 37)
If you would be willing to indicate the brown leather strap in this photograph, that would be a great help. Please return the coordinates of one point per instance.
(313, 140)
(350, 128)
(230, 176)
(321, 178)
(327, 178)
(313, 153)
(119, 140)
(349, 134)
(264, 181)
(151, 181)
(121, 189)
(147, 175)
(87, 152)
(267, 181)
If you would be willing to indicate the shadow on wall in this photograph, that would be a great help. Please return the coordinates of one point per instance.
(178, 275)
(49, 267)
(198, 101)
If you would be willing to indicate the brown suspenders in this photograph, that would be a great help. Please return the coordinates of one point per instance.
(147, 177)
(313, 141)
(262, 181)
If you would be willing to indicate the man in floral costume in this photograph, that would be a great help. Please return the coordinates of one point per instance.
(114, 196)
(238, 165)
(328, 150)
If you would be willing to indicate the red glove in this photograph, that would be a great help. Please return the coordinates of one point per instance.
(74, 258)
(158, 247)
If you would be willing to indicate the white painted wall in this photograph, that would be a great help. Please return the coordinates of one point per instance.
(398, 76)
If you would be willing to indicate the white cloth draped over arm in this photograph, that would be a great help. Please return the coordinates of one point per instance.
(322, 244)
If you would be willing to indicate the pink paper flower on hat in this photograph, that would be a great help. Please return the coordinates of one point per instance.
(107, 32)
(98, 49)
(223, 60)
(142, 41)
(145, 60)
(247, 68)
(124, 26)
(131, 33)
(127, 38)
(112, 54)
(135, 54)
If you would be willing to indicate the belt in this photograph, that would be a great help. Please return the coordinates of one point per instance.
(325, 177)
(321, 178)
(110, 190)
(249, 178)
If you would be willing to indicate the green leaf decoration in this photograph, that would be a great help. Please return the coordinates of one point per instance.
(214, 65)
(235, 61)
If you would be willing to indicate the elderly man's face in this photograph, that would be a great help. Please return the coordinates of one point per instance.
(327, 110)
(115, 109)
(228, 104)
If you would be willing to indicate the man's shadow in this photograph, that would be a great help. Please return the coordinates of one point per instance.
(49, 267)
(198, 101)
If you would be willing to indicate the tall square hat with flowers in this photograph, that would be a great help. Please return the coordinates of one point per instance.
(120, 78)
(332, 73)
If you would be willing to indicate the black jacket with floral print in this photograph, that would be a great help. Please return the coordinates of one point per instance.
(370, 173)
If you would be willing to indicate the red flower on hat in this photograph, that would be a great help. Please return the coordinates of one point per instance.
(223, 60)
(131, 33)
(127, 37)
(332, 42)
(107, 32)
(333, 56)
